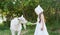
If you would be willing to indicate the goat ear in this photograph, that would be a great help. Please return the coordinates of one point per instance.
(22, 16)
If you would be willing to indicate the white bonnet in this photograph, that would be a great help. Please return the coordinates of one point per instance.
(38, 10)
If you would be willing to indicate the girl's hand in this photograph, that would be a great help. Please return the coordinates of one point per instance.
(39, 21)
(42, 29)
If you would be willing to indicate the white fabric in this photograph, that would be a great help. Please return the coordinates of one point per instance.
(38, 29)
(38, 10)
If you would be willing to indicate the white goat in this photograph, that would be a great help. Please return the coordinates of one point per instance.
(16, 25)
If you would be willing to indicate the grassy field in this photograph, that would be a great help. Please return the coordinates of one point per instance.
(31, 28)
(7, 32)
(29, 31)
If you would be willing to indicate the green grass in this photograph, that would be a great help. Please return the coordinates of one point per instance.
(5, 32)
(31, 28)
(29, 31)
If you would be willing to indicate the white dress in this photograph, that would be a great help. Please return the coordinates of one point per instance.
(38, 30)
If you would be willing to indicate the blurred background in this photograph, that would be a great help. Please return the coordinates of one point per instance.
(11, 8)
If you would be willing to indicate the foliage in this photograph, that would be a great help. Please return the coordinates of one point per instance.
(11, 8)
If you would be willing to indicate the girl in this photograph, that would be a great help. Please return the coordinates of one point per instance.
(40, 27)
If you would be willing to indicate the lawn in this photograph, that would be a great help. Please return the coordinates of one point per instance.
(29, 31)
(7, 32)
